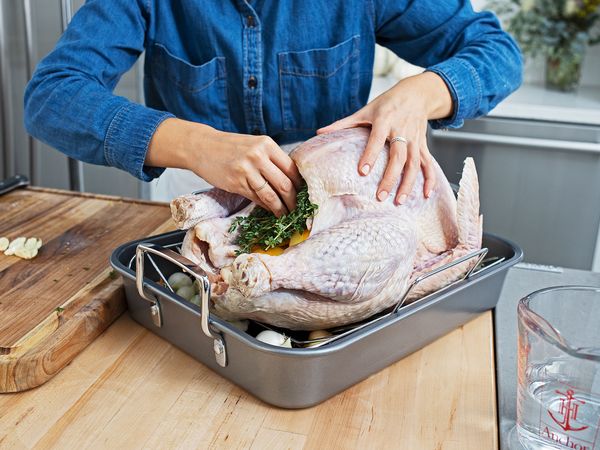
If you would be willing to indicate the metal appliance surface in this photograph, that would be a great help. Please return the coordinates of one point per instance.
(302, 377)
(520, 281)
(29, 29)
(539, 183)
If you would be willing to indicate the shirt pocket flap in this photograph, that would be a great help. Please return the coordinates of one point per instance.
(193, 92)
(184, 74)
(319, 86)
(319, 62)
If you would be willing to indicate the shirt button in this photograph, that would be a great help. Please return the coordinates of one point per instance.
(256, 132)
(252, 83)
(250, 21)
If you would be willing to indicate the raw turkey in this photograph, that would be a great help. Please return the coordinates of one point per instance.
(361, 255)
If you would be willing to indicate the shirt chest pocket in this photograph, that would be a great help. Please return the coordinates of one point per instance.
(319, 86)
(192, 92)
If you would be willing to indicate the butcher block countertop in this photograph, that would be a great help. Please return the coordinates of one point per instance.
(53, 306)
(131, 389)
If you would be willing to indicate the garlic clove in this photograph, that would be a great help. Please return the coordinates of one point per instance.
(317, 334)
(14, 245)
(4, 242)
(31, 243)
(186, 292)
(178, 280)
(26, 253)
(274, 338)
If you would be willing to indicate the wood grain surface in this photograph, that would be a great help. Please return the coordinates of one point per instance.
(53, 306)
(130, 389)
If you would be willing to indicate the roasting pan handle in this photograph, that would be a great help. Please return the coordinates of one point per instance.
(198, 274)
(479, 253)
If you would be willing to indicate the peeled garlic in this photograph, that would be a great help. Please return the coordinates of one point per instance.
(14, 245)
(178, 280)
(195, 300)
(274, 338)
(186, 292)
(317, 334)
(22, 247)
(33, 243)
(26, 253)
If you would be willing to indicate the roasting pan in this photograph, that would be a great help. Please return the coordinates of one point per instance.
(299, 377)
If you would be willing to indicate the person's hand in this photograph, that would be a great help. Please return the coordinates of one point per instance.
(252, 166)
(402, 111)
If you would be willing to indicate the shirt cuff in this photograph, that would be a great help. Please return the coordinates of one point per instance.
(128, 138)
(465, 88)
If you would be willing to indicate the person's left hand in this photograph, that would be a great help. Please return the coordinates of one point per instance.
(401, 111)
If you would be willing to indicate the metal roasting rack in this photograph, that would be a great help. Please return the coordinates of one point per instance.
(172, 253)
(340, 332)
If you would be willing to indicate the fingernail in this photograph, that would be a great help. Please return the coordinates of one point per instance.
(382, 196)
(402, 199)
(428, 194)
(365, 169)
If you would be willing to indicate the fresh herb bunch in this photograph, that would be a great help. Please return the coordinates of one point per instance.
(262, 228)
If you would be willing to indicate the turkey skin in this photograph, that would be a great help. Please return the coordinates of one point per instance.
(361, 255)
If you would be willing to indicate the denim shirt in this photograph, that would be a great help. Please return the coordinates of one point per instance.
(277, 67)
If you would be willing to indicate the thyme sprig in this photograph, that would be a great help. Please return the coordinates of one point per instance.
(262, 228)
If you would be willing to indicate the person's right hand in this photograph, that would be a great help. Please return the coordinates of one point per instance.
(252, 166)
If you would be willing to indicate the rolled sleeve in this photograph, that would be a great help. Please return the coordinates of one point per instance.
(69, 102)
(478, 61)
(128, 137)
(465, 88)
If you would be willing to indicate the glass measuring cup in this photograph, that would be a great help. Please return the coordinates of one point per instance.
(558, 398)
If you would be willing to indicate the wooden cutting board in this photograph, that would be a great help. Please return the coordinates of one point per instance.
(53, 306)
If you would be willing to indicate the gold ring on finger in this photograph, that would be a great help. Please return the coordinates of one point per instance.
(261, 187)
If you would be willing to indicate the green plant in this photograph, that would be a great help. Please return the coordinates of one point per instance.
(262, 228)
(551, 28)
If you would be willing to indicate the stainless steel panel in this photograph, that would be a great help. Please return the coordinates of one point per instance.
(66, 13)
(111, 181)
(3, 89)
(29, 29)
(76, 179)
(499, 139)
(50, 165)
(30, 58)
(546, 199)
(596, 260)
(16, 156)
(550, 131)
